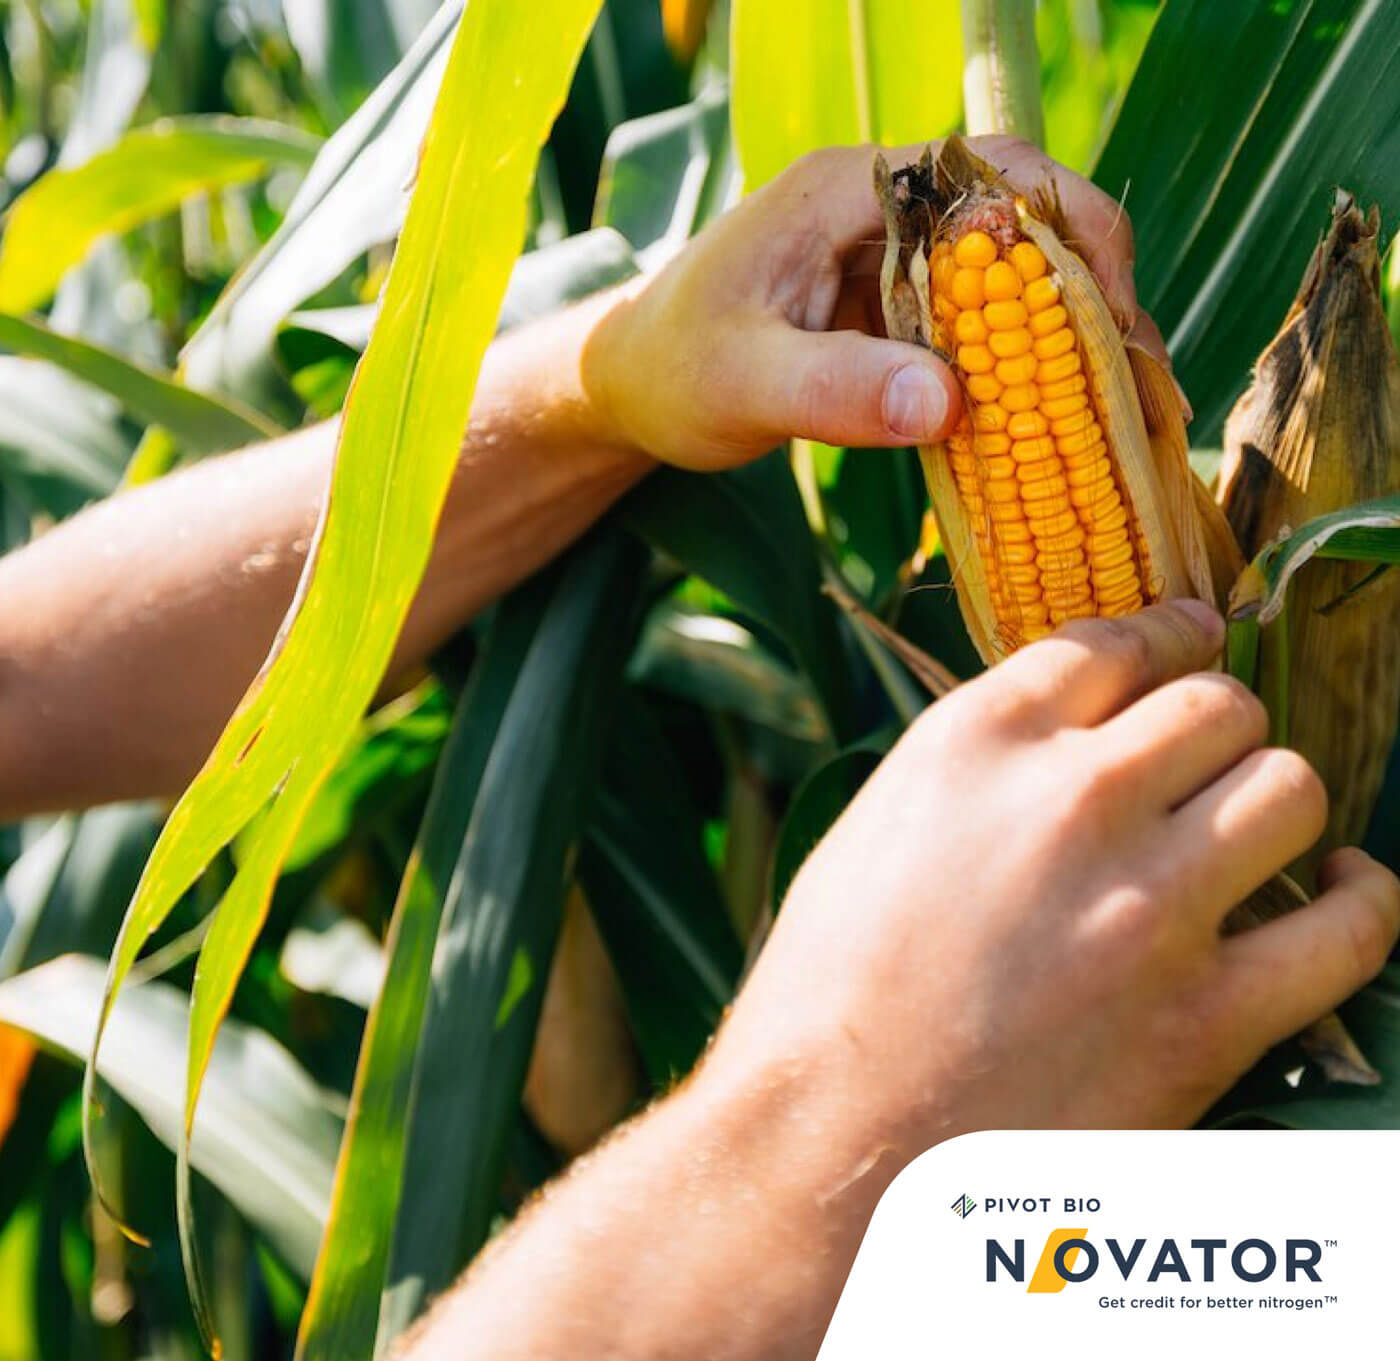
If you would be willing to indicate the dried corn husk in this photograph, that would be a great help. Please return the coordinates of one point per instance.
(1319, 430)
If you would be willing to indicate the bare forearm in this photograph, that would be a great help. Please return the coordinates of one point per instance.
(721, 1226)
(128, 634)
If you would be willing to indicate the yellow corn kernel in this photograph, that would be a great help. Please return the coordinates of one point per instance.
(1023, 397)
(1002, 282)
(1054, 345)
(1066, 387)
(970, 329)
(976, 250)
(1058, 369)
(975, 359)
(1040, 294)
(1049, 321)
(1008, 344)
(1032, 450)
(1005, 315)
(985, 387)
(969, 288)
(1029, 261)
(1017, 371)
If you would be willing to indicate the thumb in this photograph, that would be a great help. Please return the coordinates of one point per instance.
(845, 388)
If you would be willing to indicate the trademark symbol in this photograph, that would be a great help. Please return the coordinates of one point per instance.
(1329, 1299)
(1329, 1242)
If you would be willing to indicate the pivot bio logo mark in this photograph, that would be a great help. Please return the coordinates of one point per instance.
(1068, 1255)
(963, 1206)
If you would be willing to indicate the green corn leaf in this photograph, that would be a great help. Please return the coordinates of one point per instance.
(1227, 179)
(500, 919)
(474, 927)
(1369, 532)
(341, 1319)
(745, 532)
(352, 199)
(656, 901)
(61, 441)
(828, 73)
(819, 801)
(266, 1137)
(398, 448)
(145, 175)
(202, 424)
(667, 174)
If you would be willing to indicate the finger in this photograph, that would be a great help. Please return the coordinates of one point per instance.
(1092, 668)
(1283, 976)
(844, 388)
(1145, 336)
(1246, 826)
(1179, 739)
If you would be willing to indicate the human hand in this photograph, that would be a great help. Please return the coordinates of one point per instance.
(1017, 921)
(768, 325)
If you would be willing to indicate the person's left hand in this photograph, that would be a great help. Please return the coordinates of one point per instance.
(768, 325)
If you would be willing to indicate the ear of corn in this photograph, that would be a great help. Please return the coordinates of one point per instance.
(1054, 499)
(1318, 430)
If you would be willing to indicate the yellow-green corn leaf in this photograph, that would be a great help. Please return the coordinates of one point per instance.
(147, 174)
(201, 423)
(817, 73)
(398, 446)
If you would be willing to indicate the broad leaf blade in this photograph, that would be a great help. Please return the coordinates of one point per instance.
(815, 807)
(821, 73)
(1226, 180)
(342, 1309)
(745, 532)
(656, 900)
(202, 424)
(500, 920)
(145, 175)
(352, 199)
(397, 451)
(265, 1136)
(1368, 532)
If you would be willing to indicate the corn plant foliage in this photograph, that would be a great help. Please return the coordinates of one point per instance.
(148, 173)
(655, 898)
(500, 917)
(397, 451)
(1227, 178)
(766, 561)
(1368, 532)
(829, 73)
(201, 423)
(265, 1136)
(353, 198)
(816, 805)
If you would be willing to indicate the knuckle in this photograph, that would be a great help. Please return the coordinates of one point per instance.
(814, 169)
(1218, 699)
(1370, 935)
(1127, 647)
(1373, 925)
(1298, 785)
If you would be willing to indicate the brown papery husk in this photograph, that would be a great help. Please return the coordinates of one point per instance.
(1136, 398)
(1319, 430)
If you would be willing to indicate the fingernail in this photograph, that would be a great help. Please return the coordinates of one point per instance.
(916, 403)
(1207, 617)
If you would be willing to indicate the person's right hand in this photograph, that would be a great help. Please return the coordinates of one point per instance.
(1016, 923)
